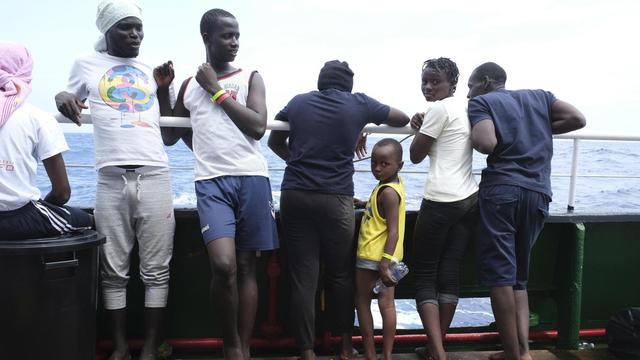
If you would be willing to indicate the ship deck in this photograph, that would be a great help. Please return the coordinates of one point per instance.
(591, 354)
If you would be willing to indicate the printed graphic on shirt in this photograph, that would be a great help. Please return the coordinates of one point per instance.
(232, 89)
(127, 89)
(7, 165)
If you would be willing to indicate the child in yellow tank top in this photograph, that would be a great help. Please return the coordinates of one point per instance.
(379, 243)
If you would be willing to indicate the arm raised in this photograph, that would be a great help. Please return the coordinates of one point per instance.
(250, 119)
(171, 135)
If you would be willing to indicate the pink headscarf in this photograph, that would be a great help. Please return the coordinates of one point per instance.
(15, 76)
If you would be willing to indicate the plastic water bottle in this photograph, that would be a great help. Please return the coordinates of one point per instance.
(398, 271)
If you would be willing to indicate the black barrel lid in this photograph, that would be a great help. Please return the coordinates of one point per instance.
(79, 241)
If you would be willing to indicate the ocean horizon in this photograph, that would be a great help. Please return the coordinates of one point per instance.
(608, 182)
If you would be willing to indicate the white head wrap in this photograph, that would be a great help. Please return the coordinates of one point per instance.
(109, 13)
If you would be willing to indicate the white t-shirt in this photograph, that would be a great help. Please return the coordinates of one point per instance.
(30, 135)
(121, 93)
(219, 146)
(450, 175)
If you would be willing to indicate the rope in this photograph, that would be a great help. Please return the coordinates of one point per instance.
(369, 157)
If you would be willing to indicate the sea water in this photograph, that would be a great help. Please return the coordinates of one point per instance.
(609, 174)
(609, 182)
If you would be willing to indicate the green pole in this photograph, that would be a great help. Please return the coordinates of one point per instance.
(569, 308)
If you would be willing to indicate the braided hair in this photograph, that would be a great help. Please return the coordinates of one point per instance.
(446, 66)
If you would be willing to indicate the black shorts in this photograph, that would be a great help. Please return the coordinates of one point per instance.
(39, 219)
(511, 219)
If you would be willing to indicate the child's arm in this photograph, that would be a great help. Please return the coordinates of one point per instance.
(250, 119)
(389, 206)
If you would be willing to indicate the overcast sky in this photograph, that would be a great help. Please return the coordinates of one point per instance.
(580, 50)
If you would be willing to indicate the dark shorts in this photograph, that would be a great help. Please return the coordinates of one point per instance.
(39, 219)
(440, 238)
(511, 219)
(239, 207)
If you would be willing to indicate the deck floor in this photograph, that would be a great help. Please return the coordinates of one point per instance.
(596, 354)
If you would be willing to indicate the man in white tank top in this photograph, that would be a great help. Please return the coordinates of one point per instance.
(228, 118)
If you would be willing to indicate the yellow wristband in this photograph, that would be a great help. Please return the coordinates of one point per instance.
(390, 257)
(219, 93)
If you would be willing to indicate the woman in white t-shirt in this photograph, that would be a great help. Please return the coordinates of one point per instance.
(448, 211)
(29, 135)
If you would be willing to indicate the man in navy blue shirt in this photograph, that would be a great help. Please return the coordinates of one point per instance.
(316, 204)
(514, 128)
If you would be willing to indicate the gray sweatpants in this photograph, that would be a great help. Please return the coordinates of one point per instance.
(135, 205)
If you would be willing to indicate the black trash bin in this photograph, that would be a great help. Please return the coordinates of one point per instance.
(48, 291)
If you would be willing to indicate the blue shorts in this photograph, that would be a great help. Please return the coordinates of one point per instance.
(39, 219)
(239, 207)
(511, 219)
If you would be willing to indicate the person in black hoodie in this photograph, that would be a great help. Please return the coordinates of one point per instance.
(316, 204)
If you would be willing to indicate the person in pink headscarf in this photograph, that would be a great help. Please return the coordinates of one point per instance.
(29, 135)
(15, 76)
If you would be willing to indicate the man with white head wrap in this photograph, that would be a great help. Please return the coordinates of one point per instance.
(133, 195)
(109, 13)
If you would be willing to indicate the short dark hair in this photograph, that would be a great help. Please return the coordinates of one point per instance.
(210, 19)
(492, 71)
(397, 147)
(444, 65)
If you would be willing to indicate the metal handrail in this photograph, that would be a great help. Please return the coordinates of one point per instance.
(169, 121)
(172, 121)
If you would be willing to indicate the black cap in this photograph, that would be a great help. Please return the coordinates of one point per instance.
(335, 75)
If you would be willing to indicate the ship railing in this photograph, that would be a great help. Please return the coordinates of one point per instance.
(576, 137)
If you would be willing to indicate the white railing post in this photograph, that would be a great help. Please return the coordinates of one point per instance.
(574, 174)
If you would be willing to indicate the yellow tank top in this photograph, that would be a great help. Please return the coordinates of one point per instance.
(373, 228)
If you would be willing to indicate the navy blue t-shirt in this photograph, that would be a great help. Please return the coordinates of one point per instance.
(324, 128)
(522, 119)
